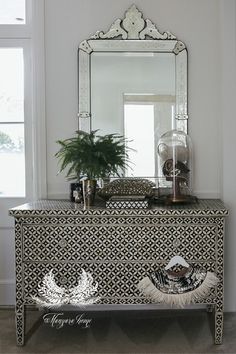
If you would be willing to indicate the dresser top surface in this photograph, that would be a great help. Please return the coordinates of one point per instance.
(65, 208)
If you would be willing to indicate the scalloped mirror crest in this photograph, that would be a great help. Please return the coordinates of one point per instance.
(133, 26)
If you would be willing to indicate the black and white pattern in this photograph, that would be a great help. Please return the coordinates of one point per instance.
(119, 247)
(175, 284)
(127, 204)
(204, 207)
(179, 287)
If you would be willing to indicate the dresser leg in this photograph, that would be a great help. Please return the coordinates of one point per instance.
(219, 318)
(20, 325)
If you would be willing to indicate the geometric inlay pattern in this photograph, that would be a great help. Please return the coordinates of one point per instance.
(118, 246)
(118, 242)
(116, 280)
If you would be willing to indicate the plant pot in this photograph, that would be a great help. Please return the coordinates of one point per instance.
(89, 190)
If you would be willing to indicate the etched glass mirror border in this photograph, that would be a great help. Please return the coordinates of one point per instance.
(133, 34)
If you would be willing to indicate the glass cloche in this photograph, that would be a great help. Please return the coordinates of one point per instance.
(174, 151)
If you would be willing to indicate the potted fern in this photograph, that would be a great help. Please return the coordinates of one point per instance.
(92, 156)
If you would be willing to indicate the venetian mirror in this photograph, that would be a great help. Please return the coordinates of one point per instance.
(133, 82)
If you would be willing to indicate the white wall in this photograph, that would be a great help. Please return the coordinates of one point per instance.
(194, 22)
(228, 130)
(207, 27)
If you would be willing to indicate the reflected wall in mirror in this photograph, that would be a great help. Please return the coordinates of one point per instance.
(133, 81)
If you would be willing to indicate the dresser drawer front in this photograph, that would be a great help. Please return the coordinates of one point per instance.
(119, 242)
(117, 282)
(119, 220)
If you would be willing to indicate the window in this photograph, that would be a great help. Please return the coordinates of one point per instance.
(22, 115)
(141, 140)
(144, 123)
(21, 99)
(12, 12)
(12, 154)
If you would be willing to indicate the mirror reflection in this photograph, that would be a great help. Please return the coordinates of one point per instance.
(133, 94)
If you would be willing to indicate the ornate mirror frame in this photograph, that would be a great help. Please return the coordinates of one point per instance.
(132, 34)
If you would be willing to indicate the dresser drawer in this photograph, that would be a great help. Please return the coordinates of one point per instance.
(119, 242)
(117, 281)
(118, 220)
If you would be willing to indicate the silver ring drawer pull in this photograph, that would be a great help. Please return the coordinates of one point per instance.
(176, 243)
(63, 243)
(63, 280)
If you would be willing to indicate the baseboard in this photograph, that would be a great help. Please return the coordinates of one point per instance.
(7, 292)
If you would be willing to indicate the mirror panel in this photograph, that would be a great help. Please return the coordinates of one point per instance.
(133, 84)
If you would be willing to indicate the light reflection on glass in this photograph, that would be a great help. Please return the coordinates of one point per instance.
(12, 151)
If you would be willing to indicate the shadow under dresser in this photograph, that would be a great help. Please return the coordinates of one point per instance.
(118, 246)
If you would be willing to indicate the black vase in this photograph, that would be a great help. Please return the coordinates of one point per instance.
(76, 192)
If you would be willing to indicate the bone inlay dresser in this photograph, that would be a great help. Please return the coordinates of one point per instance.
(118, 246)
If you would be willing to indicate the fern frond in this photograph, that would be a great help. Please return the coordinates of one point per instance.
(93, 155)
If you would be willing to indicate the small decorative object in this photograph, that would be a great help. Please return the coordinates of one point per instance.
(127, 202)
(76, 192)
(178, 283)
(54, 296)
(128, 187)
(175, 165)
(92, 156)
